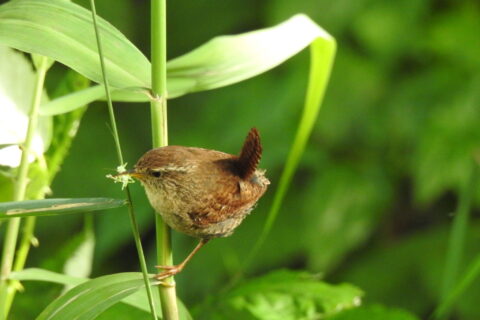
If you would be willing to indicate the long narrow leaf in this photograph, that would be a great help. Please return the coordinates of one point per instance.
(137, 299)
(230, 59)
(89, 299)
(72, 101)
(35, 274)
(458, 233)
(456, 244)
(63, 31)
(322, 56)
(472, 273)
(48, 207)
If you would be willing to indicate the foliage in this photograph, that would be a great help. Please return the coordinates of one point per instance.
(285, 295)
(372, 200)
(374, 312)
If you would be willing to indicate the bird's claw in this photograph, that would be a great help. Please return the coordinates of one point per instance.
(168, 271)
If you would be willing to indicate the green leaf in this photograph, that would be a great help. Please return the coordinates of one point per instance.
(323, 49)
(230, 59)
(91, 298)
(286, 295)
(35, 274)
(33, 26)
(471, 274)
(137, 299)
(72, 101)
(458, 234)
(48, 207)
(63, 31)
(374, 312)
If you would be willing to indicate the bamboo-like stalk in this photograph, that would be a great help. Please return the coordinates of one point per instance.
(131, 212)
(7, 290)
(158, 107)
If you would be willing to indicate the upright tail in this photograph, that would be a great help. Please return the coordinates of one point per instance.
(250, 154)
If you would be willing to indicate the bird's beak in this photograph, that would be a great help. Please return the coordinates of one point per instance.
(131, 173)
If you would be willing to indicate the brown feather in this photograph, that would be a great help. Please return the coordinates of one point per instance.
(250, 155)
(203, 193)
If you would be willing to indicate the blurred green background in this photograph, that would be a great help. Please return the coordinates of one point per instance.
(373, 198)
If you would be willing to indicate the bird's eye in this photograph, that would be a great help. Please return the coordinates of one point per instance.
(156, 174)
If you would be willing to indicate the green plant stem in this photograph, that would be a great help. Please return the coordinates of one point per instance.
(457, 237)
(27, 235)
(24, 247)
(7, 289)
(29, 226)
(456, 243)
(158, 107)
(21, 256)
(131, 212)
(472, 273)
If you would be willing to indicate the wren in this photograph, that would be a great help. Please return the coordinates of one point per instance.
(200, 192)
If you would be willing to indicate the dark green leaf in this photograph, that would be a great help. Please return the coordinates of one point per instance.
(286, 295)
(47, 207)
(374, 312)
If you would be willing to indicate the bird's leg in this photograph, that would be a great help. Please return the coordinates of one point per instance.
(169, 271)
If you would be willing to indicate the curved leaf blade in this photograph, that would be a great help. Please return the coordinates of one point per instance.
(222, 61)
(63, 31)
(226, 60)
(472, 273)
(36, 274)
(89, 299)
(322, 50)
(46, 207)
(137, 299)
(72, 101)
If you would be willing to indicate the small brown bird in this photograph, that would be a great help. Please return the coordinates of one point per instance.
(203, 193)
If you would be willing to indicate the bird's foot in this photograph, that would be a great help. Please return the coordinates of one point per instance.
(168, 271)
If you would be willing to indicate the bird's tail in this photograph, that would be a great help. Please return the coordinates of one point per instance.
(250, 154)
